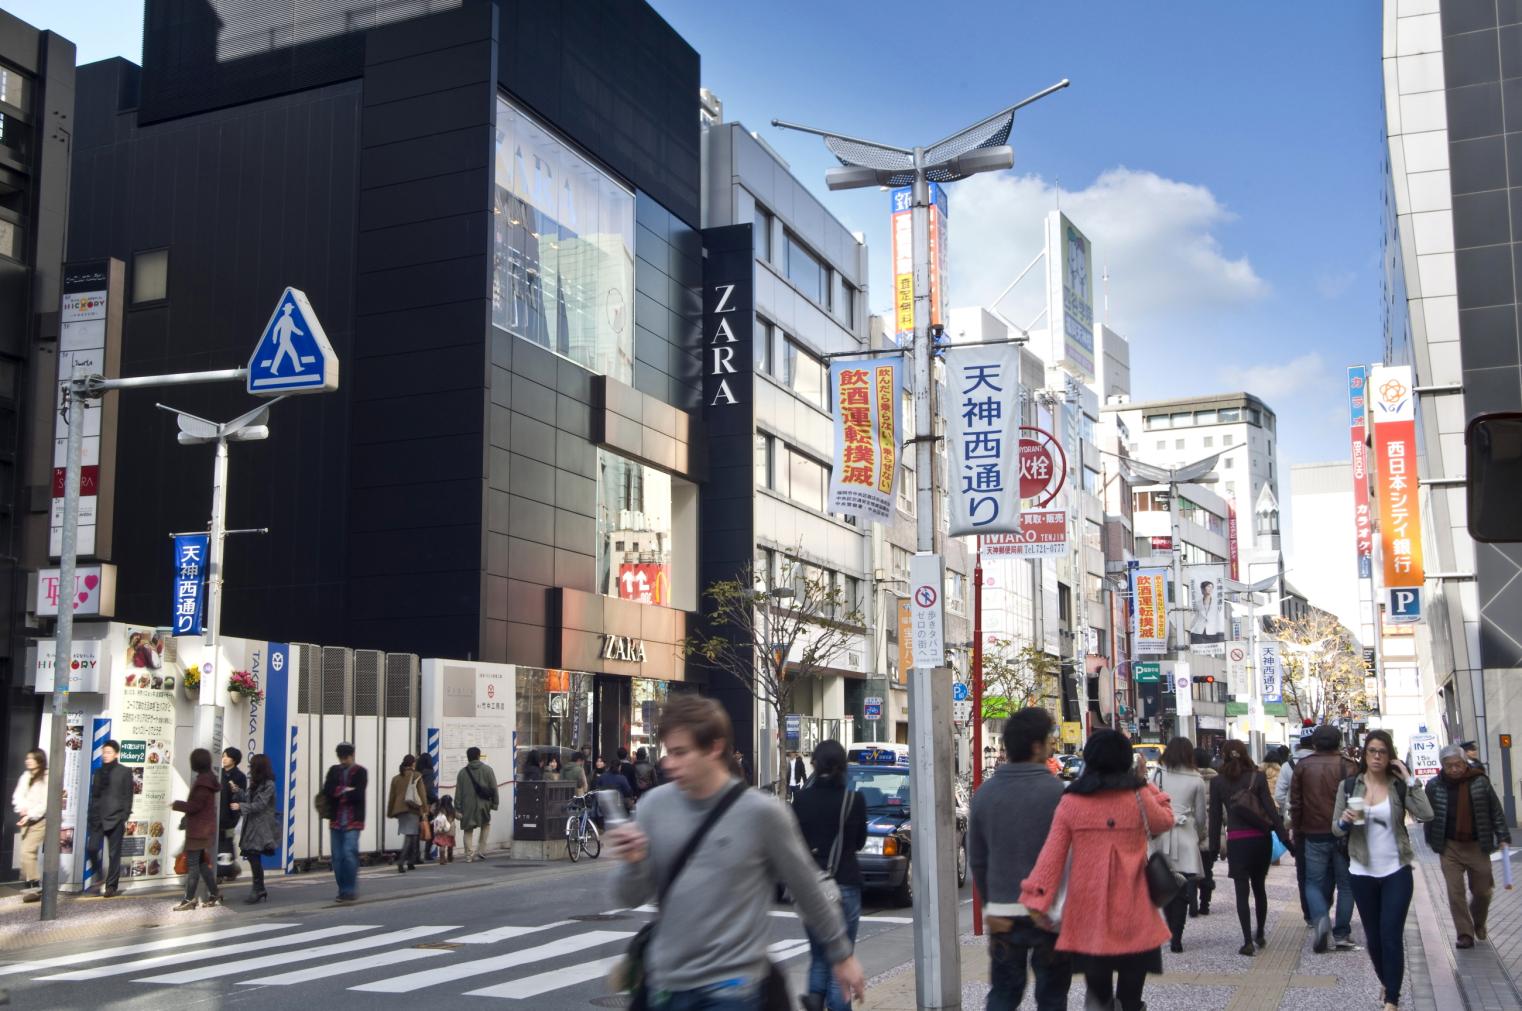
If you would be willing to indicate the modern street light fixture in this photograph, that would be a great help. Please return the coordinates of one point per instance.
(980, 147)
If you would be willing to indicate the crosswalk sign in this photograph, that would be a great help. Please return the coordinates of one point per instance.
(293, 355)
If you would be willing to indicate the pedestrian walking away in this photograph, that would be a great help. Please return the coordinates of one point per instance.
(234, 783)
(1240, 802)
(30, 802)
(1313, 794)
(1010, 820)
(446, 822)
(343, 790)
(1468, 825)
(476, 796)
(833, 820)
(576, 773)
(1371, 811)
(200, 824)
(1177, 777)
(1281, 800)
(407, 803)
(644, 773)
(708, 851)
(1101, 834)
(430, 777)
(260, 836)
(609, 778)
(1204, 890)
(106, 820)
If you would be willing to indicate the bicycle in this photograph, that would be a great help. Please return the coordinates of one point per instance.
(581, 835)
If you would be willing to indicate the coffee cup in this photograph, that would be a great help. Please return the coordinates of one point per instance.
(1357, 805)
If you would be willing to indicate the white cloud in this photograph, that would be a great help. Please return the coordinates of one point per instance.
(1155, 237)
(1280, 381)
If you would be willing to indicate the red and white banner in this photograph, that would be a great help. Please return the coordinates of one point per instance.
(1358, 432)
(648, 583)
(1393, 406)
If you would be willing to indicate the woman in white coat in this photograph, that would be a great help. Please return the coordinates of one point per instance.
(31, 804)
(1176, 776)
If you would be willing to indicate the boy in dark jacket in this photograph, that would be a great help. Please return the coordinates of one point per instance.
(1011, 817)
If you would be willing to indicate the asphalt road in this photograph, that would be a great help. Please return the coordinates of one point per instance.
(536, 936)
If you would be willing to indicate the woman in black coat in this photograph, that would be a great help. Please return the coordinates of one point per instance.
(833, 818)
(261, 830)
(1249, 846)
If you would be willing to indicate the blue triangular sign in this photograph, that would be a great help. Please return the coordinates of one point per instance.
(293, 355)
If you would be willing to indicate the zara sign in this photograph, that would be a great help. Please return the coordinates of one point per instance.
(623, 647)
(728, 322)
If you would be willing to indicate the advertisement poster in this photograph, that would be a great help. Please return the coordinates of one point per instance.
(73, 789)
(866, 412)
(1271, 671)
(983, 439)
(1363, 522)
(1149, 620)
(1400, 518)
(1238, 670)
(1207, 614)
(143, 723)
(645, 582)
(1070, 294)
(902, 233)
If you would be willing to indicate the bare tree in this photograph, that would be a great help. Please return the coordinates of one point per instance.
(771, 632)
(1014, 677)
(1323, 669)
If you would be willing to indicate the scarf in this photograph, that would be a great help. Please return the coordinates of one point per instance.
(1463, 807)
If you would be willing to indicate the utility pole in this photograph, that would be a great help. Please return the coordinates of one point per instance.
(980, 147)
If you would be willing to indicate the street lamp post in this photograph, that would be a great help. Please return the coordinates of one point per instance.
(980, 147)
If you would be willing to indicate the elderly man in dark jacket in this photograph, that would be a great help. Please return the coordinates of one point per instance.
(110, 806)
(1011, 816)
(1468, 825)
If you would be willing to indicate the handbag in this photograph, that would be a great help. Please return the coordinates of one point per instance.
(629, 974)
(481, 792)
(182, 862)
(1163, 883)
(1247, 808)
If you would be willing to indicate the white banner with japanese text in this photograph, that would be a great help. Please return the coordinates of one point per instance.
(866, 395)
(983, 438)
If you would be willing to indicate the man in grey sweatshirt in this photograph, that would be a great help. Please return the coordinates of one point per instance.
(708, 949)
(1010, 819)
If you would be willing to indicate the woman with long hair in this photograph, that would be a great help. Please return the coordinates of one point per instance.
(430, 778)
(1240, 798)
(1177, 777)
(200, 810)
(406, 803)
(31, 804)
(833, 818)
(1371, 811)
(1199, 904)
(1105, 822)
(261, 832)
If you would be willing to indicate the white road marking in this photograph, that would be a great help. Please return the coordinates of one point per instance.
(505, 933)
(180, 957)
(220, 969)
(554, 949)
(385, 958)
(544, 982)
(163, 944)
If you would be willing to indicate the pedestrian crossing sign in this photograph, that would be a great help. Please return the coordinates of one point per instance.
(293, 355)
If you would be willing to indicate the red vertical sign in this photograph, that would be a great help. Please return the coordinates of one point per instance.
(1358, 431)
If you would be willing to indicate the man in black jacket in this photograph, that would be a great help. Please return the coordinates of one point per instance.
(1468, 825)
(110, 806)
(344, 787)
(824, 815)
(1011, 818)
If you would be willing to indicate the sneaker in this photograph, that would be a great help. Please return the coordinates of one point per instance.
(110, 893)
(1323, 934)
(1479, 932)
(31, 897)
(1465, 941)
(1344, 944)
(187, 904)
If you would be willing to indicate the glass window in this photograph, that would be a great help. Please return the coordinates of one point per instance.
(1162, 443)
(1178, 443)
(633, 507)
(15, 89)
(1230, 463)
(15, 136)
(150, 275)
(763, 236)
(805, 270)
(1227, 440)
(1229, 414)
(1204, 417)
(804, 374)
(807, 480)
(10, 239)
(1209, 441)
(762, 346)
(765, 447)
(1254, 416)
(1182, 419)
(846, 303)
(563, 249)
(1152, 421)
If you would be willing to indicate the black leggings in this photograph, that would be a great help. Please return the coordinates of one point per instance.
(1258, 883)
(1103, 989)
(256, 868)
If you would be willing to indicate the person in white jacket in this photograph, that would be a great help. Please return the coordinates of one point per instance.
(1177, 776)
(31, 803)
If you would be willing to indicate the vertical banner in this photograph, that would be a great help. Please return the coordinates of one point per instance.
(1070, 295)
(1400, 518)
(1270, 670)
(1149, 619)
(1238, 670)
(74, 787)
(902, 232)
(1183, 690)
(905, 640)
(269, 722)
(983, 439)
(189, 582)
(1358, 437)
(1207, 602)
(1231, 538)
(866, 437)
(927, 582)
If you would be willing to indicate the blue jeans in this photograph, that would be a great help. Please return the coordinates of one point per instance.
(345, 843)
(721, 997)
(1382, 906)
(1008, 954)
(821, 979)
(1324, 866)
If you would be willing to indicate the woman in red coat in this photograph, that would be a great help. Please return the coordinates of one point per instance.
(200, 810)
(1109, 924)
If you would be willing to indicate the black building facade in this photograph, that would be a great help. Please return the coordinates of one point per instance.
(493, 210)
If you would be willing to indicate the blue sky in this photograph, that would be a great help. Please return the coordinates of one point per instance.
(1224, 158)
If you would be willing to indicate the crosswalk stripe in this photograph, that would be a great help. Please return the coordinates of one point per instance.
(162, 944)
(179, 957)
(505, 933)
(790, 914)
(544, 982)
(428, 977)
(220, 969)
(385, 958)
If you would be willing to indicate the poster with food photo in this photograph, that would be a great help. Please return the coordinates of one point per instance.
(145, 726)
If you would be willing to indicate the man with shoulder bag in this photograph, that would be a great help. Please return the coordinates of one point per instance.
(833, 819)
(707, 851)
(1010, 820)
(475, 794)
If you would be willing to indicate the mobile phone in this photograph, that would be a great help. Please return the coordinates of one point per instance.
(612, 804)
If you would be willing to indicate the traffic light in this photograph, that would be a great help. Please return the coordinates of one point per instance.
(1204, 679)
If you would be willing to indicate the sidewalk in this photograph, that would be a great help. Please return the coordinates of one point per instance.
(84, 917)
(1210, 974)
(1490, 973)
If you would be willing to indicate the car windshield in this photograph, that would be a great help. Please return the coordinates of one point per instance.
(884, 788)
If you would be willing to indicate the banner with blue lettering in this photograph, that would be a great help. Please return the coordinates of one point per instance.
(190, 552)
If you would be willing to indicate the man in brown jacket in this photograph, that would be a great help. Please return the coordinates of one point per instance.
(1312, 794)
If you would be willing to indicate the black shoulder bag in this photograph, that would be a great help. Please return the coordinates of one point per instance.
(630, 974)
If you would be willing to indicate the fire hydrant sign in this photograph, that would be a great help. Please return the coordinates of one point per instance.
(927, 619)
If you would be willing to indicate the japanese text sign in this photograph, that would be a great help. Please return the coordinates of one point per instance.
(190, 552)
(1358, 433)
(902, 232)
(1270, 670)
(1149, 619)
(983, 438)
(927, 581)
(1393, 406)
(866, 397)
